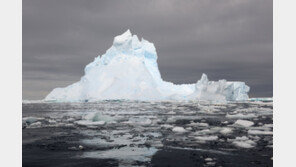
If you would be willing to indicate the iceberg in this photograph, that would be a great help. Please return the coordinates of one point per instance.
(129, 71)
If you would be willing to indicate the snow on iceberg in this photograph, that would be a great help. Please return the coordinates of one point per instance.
(129, 70)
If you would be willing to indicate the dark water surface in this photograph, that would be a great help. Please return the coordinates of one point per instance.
(126, 133)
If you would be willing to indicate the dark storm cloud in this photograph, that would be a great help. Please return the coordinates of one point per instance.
(229, 39)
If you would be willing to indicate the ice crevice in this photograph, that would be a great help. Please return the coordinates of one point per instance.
(129, 70)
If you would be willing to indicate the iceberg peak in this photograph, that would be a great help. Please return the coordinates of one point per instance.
(204, 78)
(120, 39)
(129, 70)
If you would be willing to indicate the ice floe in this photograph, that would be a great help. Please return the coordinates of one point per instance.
(243, 142)
(243, 123)
(179, 129)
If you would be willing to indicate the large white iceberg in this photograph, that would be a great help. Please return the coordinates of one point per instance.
(128, 70)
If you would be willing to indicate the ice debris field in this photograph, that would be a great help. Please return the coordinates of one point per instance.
(137, 133)
(129, 70)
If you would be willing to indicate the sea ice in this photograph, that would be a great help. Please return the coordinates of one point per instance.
(244, 123)
(35, 125)
(167, 126)
(226, 131)
(263, 99)
(179, 129)
(139, 121)
(129, 70)
(243, 142)
(30, 120)
(240, 115)
(90, 123)
(208, 159)
(125, 154)
(206, 138)
(259, 132)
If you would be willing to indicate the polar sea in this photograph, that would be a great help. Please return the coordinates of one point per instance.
(139, 133)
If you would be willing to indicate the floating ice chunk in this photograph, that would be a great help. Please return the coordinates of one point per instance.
(240, 115)
(179, 129)
(243, 142)
(189, 128)
(30, 120)
(206, 138)
(171, 113)
(90, 123)
(268, 125)
(124, 154)
(93, 119)
(154, 134)
(35, 125)
(263, 99)
(51, 121)
(167, 126)
(139, 121)
(98, 116)
(226, 130)
(214, 130)
(80, 147)
(208, 159)
(211, 163)
(71, 119)
(73, 148)
(204, 132)
(243, 123)
(129, 70)
(259, 132)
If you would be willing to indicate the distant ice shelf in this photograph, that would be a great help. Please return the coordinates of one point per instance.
(129, 70)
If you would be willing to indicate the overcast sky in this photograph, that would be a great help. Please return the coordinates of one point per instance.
(226, 39)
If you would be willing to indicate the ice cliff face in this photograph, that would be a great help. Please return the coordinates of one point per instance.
(129, 70)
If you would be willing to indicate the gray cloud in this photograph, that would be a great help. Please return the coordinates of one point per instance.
(229, 39)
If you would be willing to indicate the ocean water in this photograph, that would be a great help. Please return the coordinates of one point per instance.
(134, 133)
